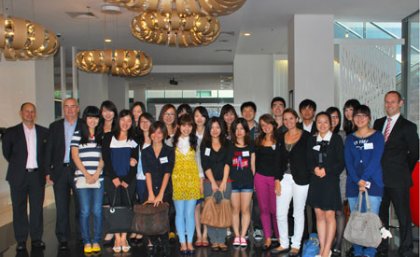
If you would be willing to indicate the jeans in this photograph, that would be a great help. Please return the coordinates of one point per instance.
(90, 200)
(184, 219)
(299, 193)
(375, 203)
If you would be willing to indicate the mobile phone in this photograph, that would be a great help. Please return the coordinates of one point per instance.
(367, 185)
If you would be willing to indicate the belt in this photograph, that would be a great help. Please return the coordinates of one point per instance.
(66, 164)
(32, 170)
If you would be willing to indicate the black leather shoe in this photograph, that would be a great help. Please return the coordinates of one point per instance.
(63, 246)
(38, 244)
(21, 246)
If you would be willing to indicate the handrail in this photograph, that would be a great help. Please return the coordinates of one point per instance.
(348, 29)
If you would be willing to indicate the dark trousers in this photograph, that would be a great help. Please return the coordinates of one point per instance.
(33, 190)
(63, 189)
(400, 198)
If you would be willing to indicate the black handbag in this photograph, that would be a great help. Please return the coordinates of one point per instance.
(149, 220)
(118, 219)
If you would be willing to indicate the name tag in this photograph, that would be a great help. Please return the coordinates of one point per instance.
(368, 146)
(207, 152)
(274, 147)
(245, 153)
(163, 160)
(317, 147)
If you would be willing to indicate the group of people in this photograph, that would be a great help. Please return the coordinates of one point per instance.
(115, 158)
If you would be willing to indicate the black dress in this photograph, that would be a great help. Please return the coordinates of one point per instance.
(324, 193)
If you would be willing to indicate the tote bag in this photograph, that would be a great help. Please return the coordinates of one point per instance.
(215, 214)
(149, 220)
(118, 219)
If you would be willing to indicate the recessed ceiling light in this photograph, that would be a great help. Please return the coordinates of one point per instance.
(108, 40)
(247, 34)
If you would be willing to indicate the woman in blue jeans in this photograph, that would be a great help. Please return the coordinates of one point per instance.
(86, 155)
(363, 153)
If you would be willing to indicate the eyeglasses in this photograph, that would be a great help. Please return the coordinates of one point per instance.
(361, 116)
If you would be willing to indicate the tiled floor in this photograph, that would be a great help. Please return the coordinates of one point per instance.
(6, 239)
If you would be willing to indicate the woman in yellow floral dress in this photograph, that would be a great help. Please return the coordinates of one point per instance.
(185, 181)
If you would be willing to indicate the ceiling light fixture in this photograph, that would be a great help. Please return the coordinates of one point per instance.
(21, 39)
(175, 29)
(120, 62)
(247, 34)
(108, 40)
(189, 7)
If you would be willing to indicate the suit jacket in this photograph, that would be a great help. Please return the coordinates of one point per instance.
(401, 152)
(16, 153)
(56, 148)
(313, 129)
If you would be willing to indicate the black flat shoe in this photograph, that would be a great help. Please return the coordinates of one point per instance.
(279, 250)
(63, 246)
(38, 244)
(21, 246)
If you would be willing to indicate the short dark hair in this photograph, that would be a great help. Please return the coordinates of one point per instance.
(363, 109)
(307, 103)
(249, 104)
(395, 92)
(278, 99)
(324, 114)
(158, 125)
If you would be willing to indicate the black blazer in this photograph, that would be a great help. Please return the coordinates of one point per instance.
(56, 148)
(16, 153)
(401, 152)
(313, 129)
(334, 162)
(298, 159)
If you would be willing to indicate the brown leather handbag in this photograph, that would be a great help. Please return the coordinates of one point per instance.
(149, 220)
(215, 214)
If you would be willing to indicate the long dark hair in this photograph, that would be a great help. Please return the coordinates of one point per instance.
(203, 111)
(348, 125)
(226, 109)
(207, 139)
(267, 118)
(131, 132)
(109, 105)
(244, 123)
(183, 107)
(186, 119)
(332, 110)
(90, 111)
(148, 117)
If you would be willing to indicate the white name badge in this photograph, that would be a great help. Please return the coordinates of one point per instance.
(163, 160)
(317, 147)
(274, 147)
(368, 146)
(245, 153)
(207, 152)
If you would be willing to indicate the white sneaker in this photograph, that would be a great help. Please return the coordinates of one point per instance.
(258, 235)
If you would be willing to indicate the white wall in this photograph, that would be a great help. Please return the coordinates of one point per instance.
(93, 89)
(253, 80)
(118, 91)
(311, 55)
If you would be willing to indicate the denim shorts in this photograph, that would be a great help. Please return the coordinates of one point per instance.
(242, 188)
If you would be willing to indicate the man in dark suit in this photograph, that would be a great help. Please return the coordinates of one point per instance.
(23, 147)
(399, 158)
(307, 110)
(59, 170)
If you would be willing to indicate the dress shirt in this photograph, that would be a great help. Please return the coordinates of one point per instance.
(68, 134)
(30, 136)
(183, 144)
(393, 121)
(309, 127)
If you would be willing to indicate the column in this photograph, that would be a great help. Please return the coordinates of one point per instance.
(93, 89)
(118, 91)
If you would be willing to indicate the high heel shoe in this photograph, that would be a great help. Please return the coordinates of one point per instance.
(116, 249)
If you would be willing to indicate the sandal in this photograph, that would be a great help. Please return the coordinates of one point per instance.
(223, 247)
(215, 247)
(125, 248)
(294, 252)
(198, 243)
(205, 242)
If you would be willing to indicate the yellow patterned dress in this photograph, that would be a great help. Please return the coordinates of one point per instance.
(185, 176)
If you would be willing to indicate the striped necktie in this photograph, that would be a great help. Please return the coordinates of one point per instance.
(387, 129)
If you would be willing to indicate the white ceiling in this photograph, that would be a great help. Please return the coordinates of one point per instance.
(266, 20)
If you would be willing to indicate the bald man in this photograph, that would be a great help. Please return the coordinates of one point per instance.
(23, 148)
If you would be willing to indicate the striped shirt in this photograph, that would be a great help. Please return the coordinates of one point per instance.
(90, 154)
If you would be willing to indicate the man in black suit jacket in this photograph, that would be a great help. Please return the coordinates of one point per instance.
(59, 169)
(399, 158)
(307, 110)
(23, 147)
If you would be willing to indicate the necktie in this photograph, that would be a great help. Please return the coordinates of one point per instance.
(387, 129)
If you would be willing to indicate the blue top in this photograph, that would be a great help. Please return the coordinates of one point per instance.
(120, 155)
(68, 135)
(363, 161)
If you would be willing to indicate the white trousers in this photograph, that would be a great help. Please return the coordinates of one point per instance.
(289, 190)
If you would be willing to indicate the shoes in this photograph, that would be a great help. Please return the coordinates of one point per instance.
(205, 242)
(267, 244)
(38, 244)
(96, 248)
(243, 242)
(237, 241)
(63, 246)
(223, 247)
(294, 252)
(258, 235)
(108, 240)
(172, 237)
(215, 247)
(21, 246)
(116, 249)
(87, 248)
(125, 248)
(336, 253)
(198, 243)
(279, 250)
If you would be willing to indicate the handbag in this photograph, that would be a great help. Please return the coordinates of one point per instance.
(311, 246)
(81, 183)
(215, 214)
(364, 228)
(118, 219)
(149, 220)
